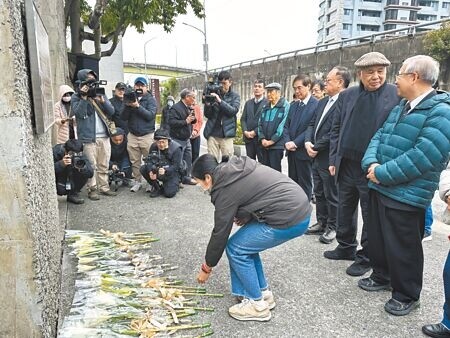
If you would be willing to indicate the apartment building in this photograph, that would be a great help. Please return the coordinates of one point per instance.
(344, 19)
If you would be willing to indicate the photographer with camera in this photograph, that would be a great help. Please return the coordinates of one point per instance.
(119, 164)
(118, 104)
(221, 108)
(163, 166)
(72, 170)
(181, 119)
(93, 113)
(140, 112)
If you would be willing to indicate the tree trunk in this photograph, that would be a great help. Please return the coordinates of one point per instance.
(97, 42)
(75, 28)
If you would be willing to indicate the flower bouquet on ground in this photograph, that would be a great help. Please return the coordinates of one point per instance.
(122, 291)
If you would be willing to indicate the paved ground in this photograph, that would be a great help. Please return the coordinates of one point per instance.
(315, 298)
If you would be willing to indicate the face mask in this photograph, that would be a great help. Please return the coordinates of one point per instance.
(66, 98)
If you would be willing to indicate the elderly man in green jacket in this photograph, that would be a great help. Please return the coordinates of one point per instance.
(403, 162)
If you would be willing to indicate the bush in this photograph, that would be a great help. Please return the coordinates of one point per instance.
(238, 140)
(437, 43)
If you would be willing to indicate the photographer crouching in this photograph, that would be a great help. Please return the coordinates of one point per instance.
(163, 166)
(72, 170)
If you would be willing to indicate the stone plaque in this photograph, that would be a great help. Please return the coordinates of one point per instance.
(40, 69)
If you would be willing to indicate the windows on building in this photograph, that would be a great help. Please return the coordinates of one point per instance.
(374, 14)
(347, 26)
(368, 28)
(446, 4)
(348, 11)
(391, 14)
(426, 17)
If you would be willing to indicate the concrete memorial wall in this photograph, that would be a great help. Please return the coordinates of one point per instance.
(30, 231)
(319, 64)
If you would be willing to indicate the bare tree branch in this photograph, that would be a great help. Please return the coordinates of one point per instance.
(67, 10)
(99, 9)
(114, 44)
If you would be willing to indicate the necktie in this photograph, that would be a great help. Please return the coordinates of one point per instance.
(406, 109)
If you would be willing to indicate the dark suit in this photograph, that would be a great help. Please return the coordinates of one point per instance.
(299, 163)
(180, 132)
(351, 180)
(324, 186)
(249, 122)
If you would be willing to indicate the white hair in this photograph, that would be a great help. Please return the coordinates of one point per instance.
(425, 66)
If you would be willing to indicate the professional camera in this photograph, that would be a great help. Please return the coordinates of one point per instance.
(115, 176)
(211, 86)
(94, 87)
(132, 95)
(77, 161)
(155, 161)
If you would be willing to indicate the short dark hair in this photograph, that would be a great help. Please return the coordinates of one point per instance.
(205, 164)
(224, 75)
(73, 145)
(259, 81)
(305, 79)
(320, 83)
(345, 75)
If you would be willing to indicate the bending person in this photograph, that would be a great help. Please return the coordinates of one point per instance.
(270, 208)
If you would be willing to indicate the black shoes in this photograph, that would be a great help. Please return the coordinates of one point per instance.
(75, 199)
(338, 254)
(436, 330)
(189, 181)
(358, 269)
(328, 236)
(397, 308)
(315, 229)
(369, 284)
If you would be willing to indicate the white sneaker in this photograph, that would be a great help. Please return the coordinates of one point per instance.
(427, 237)
(136, 186)
(249, 309)
(268, 298)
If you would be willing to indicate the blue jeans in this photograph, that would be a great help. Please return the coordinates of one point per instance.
(428, 219)
(446, 319)
(243, 248)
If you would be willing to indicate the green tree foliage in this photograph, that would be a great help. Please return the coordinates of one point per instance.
(109, 19)
(437, 43)
(170, 87)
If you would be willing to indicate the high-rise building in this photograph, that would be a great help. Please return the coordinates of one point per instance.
(344, 19)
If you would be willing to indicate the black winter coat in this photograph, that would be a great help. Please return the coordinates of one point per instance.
(141, 121)
(61, 171)
(179, 128)
(226, 111)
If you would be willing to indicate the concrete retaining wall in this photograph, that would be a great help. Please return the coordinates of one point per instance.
(319, 64)
(30, 236)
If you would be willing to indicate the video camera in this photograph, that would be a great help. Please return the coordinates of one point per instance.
(156, 161)
(94, 87)
(212, 86)
(77, 161)
(132, 95)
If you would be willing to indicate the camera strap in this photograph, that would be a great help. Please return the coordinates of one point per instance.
(109, 123)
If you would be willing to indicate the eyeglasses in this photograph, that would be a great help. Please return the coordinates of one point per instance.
(401, 74)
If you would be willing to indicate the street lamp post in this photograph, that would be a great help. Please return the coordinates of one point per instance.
(145, 54)
(205, 45)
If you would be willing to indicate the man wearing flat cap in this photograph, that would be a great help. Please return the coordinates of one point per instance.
(140, 115)
(117, 102)
(271, 127)
(361, 111)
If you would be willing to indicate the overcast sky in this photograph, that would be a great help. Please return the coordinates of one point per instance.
(237, 30)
